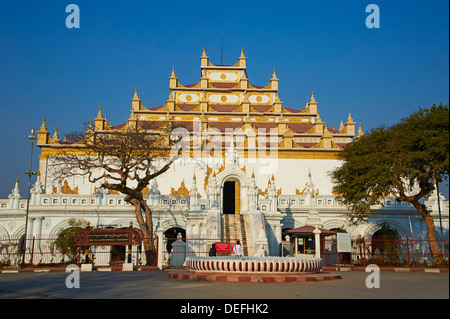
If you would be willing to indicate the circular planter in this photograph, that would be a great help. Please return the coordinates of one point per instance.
(254, 265)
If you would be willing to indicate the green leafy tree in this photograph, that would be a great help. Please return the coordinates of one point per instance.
(65, 243)
(403, 161)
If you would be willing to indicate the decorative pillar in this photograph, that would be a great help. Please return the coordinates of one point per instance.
(160, 235)
(14, 197)
(37, 226)
(37, 191)
(194, 196)
(154, 194)
(316, 233)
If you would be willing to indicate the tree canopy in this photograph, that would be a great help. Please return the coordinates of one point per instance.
(123, 161)
(402, 161)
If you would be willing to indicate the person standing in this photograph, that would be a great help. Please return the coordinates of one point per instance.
(237, 249)
(213, 251)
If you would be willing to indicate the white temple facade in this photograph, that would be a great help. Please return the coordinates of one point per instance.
(273, 174)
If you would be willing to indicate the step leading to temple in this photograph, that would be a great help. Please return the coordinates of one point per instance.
(236, 227)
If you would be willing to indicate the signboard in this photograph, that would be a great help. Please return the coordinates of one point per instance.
(222, 247)
(109, 237)
(344, 243)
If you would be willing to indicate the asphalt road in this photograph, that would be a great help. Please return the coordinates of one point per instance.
(157, 285)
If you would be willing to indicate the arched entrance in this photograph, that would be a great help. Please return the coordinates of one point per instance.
(385, 242)
(171, 236)
(231, 200)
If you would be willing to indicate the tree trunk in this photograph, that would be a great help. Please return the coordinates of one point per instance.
(149, 244)
(431, 233)
(146, 226)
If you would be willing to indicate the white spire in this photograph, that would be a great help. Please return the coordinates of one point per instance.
(231, 156)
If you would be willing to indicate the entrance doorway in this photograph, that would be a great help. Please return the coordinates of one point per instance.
(231, 203)
(384, 241)
(117, 254)
(171, 236)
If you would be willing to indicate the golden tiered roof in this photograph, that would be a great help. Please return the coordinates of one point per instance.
(224, 101)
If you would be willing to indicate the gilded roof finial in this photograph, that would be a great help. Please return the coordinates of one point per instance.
(136, 96)
(132, 115)
(173, 72)
(242, 53)
(90, 127)
(44, 126)
(99, 115)
(55, 136)
(312, 97)
(326, 131)
(349, 119)
(204, 52)
(318, 119)
(360, 131)
(274, 75)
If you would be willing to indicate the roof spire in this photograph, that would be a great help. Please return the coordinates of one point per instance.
(274, 75)
(312, 97)
(242, 53)
(100, 115)
(136, 96)
(44, 126)
(360, 132)
(350, 119)
(173, 72)
(55, 136)
(90, 127)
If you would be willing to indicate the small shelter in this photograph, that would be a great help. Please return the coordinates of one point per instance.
(304, 239)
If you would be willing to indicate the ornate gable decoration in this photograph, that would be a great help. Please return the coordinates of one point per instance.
(182, 190)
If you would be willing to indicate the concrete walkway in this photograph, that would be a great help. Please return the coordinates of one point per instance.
(158, 285)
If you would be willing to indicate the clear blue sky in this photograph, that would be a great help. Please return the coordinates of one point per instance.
(377, 75)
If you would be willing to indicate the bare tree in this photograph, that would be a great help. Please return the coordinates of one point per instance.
(119, 159)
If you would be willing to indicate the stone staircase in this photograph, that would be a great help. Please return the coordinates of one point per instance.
(236, 227)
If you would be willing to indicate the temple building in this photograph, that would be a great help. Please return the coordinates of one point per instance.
(251, 168)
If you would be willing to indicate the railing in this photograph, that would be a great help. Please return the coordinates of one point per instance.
(53, 251)
(389, 252)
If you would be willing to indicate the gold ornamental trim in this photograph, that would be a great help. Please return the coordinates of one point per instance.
(182, 190)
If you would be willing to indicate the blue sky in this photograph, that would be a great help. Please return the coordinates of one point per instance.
(377, 75)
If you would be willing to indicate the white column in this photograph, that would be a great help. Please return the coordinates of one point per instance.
(160, 234)
(316, 233)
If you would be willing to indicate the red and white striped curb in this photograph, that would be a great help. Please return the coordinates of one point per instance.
(186, 275)
(392, 269)
(63, 269)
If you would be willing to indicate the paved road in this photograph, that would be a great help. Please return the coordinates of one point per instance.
(157, 285)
